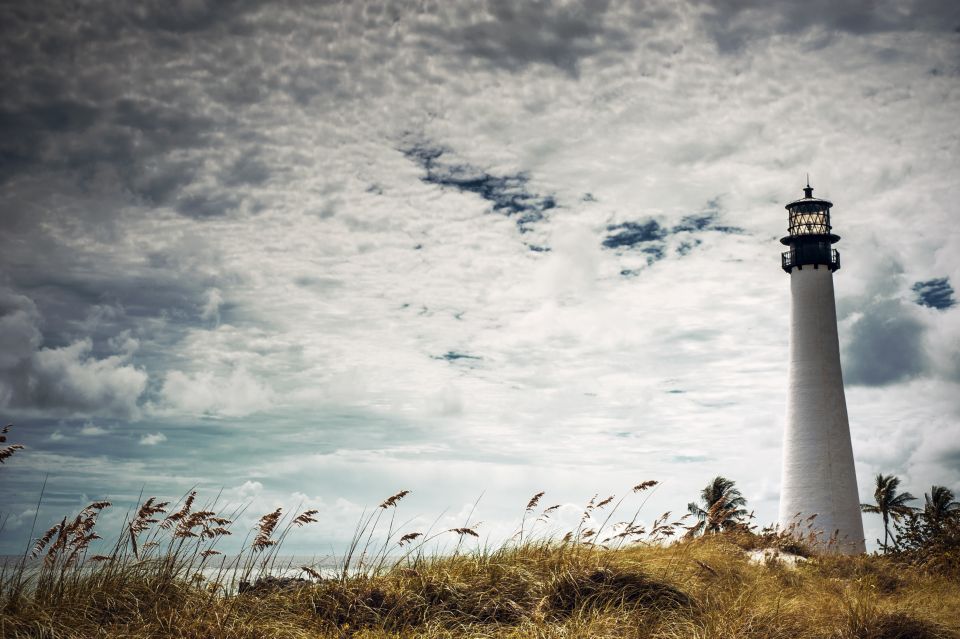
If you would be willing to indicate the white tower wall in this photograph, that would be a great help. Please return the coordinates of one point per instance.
(818, 470)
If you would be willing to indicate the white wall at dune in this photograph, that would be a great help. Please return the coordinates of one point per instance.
(818, 469)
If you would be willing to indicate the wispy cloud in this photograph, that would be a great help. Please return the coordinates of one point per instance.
(507, 194)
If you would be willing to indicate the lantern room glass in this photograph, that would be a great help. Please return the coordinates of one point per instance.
(809, 219)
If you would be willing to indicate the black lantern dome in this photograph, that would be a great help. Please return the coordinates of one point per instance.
(810, 236)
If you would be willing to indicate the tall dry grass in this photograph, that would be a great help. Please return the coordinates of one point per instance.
(610, 576)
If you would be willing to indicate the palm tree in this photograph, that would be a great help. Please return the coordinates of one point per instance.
(939, 504)
(890, 504)
(722, 507)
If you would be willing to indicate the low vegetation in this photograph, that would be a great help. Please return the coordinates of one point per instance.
(710, 573)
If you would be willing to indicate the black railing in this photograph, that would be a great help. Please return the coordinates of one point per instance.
(786, 260)
(802, 256)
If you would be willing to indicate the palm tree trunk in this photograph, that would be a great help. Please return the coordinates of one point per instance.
(886, 530)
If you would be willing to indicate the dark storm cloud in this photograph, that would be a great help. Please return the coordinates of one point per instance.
(186, 16)
(207, 205)
(108, 112)
(949, 454)
(127, 94)
(25, 131)
(81, 291)
(248, 169)
(62, 380)
(885, 346)
(936, 293)
(89, 319)
(140, 142)
(514, 35)
(508, 193)
(144, 95)
(732, 24)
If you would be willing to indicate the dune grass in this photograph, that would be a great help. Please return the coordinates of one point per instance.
(164, 576)
(704, 587)
(696, 587)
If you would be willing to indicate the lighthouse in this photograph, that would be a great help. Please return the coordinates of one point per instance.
(819, 477)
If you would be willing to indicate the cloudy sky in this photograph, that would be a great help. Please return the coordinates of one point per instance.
(320, 252)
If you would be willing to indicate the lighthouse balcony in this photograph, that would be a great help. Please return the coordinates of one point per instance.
(810, 256)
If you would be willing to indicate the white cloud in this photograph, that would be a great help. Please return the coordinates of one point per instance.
(248, 489)
(67, 379)
(70, 378)
(448, 401)
(92, 430)
(235, 394)
(211, 308)
(19, 335)
(152, 439)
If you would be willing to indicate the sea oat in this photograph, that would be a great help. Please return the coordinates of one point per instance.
(306, 517)
(210, 533)
(209, 525)
(588, 509)
(534, 501)
(265, 528)
(45, 538)
(8, 451)
(145, 515)
(409, 537)
(650, 483)
(605, 501)
(187, 523)
(464, 531)
(138, 525)
(661, 528)
(392, 501)
(70, 539)
(630, 531)
(176, 517)
(89, 514)
(545, 515)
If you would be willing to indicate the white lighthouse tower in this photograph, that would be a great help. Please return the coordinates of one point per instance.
(818, 472)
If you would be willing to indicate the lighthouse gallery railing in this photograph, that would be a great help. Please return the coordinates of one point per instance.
(793, 257)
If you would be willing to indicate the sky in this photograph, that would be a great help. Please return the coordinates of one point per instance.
(314, 253)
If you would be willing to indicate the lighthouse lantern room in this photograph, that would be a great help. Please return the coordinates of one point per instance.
(809, 234)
